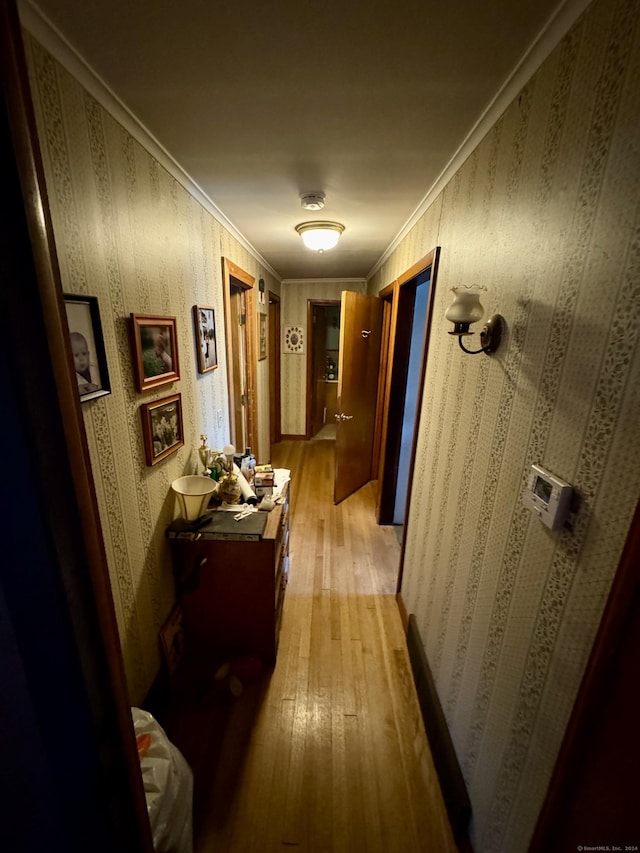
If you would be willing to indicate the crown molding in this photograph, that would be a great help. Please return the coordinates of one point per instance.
(44, 31)
(321, 280)
(549, 37)
(546, 41)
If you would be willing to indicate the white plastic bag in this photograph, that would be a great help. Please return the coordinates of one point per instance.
(168, 787)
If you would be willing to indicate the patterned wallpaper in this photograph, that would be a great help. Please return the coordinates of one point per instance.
(295, 296)
(130, 234)
(546, 213)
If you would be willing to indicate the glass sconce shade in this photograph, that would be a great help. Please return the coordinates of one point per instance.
(320, 236)
(465, 308)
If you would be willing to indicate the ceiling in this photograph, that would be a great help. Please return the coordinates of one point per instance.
(261, 102)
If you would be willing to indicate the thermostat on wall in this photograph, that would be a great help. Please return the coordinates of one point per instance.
(547, 496)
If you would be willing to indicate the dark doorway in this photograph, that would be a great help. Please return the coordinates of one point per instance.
(413, 393)
(408, 303)
(322, 367)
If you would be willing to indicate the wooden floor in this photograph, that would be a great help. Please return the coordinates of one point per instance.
(326, 752)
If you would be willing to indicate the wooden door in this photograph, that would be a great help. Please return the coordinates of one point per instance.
(359, 363)
(593, 793)
(67, 730)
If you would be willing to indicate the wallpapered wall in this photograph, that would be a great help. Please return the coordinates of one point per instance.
(545, 212)
(295, 296)
(128, 233)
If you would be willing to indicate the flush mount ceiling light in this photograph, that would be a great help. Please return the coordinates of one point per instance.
(320, 236)
(465, 310)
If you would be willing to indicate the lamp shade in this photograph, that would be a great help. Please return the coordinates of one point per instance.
(465, 308)
(193, 493)
(320, 236)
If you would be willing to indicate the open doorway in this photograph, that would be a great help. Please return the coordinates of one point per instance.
(240, 328)
(412, 394)
(323, 352)
(408, 306)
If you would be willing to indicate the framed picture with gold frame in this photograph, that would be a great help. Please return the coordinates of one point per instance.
(162, 428)
(154, 345)
(262, 336)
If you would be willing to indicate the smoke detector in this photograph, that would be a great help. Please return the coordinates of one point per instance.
(312, 201)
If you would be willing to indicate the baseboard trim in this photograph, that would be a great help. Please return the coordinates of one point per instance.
(452, 784)
(404, 617)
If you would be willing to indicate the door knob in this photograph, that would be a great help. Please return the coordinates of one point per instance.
(342, 417)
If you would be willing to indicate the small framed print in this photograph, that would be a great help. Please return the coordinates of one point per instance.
(154, 344)
(204, 323)
(262, 336)
(87, 346)
(162, 428)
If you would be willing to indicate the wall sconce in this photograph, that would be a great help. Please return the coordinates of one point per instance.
(465, 310)
(320, 236)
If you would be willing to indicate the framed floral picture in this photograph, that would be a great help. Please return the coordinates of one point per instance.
(162, 428)
(262, 336)
(204, 323)
(87, 346)
(154, 345)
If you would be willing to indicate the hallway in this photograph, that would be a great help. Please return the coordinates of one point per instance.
(329, 753)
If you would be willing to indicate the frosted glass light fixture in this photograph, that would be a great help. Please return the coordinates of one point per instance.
(465, 310)
(320, 236)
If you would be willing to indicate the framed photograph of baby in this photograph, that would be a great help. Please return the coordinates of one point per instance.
(162, 428)
(87, 346)
(154, 346)
(204, 323)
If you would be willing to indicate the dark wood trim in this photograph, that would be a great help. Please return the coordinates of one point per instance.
(275, 370)
(231, 269)
(388, 291)
(309, 369)
(401, 297)
(454, 791)
(593, 792)
(415, 269)
(33, 299)
(288, 437)
(435, 255)
(232, 274)
(404, 616)
(379, 437)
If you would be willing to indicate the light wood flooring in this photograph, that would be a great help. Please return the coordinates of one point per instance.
(327, 752)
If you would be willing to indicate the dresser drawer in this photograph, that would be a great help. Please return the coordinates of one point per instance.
(232, 587)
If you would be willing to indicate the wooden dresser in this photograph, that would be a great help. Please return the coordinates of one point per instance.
(231, 578)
